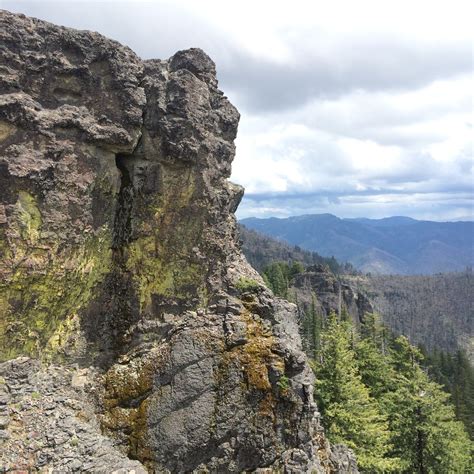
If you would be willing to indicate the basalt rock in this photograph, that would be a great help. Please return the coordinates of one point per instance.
(120, 272)
(321, 289)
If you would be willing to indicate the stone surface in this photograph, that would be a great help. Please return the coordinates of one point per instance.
(120, 272)
(318, 286)
(52, 426)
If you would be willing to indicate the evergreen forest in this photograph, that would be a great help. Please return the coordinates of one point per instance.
(400, 408)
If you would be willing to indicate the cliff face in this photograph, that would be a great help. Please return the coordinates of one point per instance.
(118, 255)
(319, 287)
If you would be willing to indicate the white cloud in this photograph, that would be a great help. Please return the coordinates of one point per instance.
(365, 144)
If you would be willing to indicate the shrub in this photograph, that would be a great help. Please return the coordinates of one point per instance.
(247, 285)
(284, 383)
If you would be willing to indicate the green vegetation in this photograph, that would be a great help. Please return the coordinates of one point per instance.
(312, 327)
(278, 275)
(247, 285)
(456, 374)
(283, 383)
(375, 397)
(350, 414)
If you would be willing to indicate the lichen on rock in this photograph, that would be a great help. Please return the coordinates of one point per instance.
(119, 254)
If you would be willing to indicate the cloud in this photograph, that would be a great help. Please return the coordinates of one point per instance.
(352, 65)
(339, 154)
(272, 56)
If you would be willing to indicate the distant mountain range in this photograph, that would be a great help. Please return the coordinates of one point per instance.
(394, 245)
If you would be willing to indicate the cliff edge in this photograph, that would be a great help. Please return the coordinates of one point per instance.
(134, 333)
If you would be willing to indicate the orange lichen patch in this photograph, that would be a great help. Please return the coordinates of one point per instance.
(132, 424)
(125, 383)
(256, 355)
(323, 454)
(126, 391)
(139, 436)
(267, 406)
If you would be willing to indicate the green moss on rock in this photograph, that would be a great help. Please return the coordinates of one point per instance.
(29, 217)
(39, 307)
(164, 260)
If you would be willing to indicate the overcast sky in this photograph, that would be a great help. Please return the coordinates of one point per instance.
(357, 108)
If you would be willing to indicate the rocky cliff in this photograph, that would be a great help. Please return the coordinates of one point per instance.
(131, 336)
(317, 286)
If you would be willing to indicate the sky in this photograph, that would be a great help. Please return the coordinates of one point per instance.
(356, 108)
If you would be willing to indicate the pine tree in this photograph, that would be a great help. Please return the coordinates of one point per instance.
(456, 374)
(351, 416)
(374, 366)
(276, 275)
(425, 434)
(294, 269)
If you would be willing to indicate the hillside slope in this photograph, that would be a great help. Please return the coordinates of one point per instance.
(436, 311)
(396, 245)
(260, 250)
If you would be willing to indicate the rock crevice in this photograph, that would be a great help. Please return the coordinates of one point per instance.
(123, 215)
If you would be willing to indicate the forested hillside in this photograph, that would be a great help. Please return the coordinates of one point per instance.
(399, 245)
(261, 250)
(318, 293)
(435, 311)
(338, 326)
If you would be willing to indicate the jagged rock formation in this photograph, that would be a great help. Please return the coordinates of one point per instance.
(46, 422)
(119, 267)
(320, 288)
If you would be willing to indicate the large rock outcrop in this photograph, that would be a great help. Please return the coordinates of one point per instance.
(120, 272)
(317, 288)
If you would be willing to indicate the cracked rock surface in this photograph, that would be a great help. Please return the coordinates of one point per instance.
(47, 422)
(134, 333)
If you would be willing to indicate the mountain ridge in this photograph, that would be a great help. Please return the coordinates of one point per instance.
(398, 244)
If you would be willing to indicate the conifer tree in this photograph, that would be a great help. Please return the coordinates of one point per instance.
(374, 366)
(294, 269)
(425, 434)
(351, 416)
(276, 274)
(456, 374)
